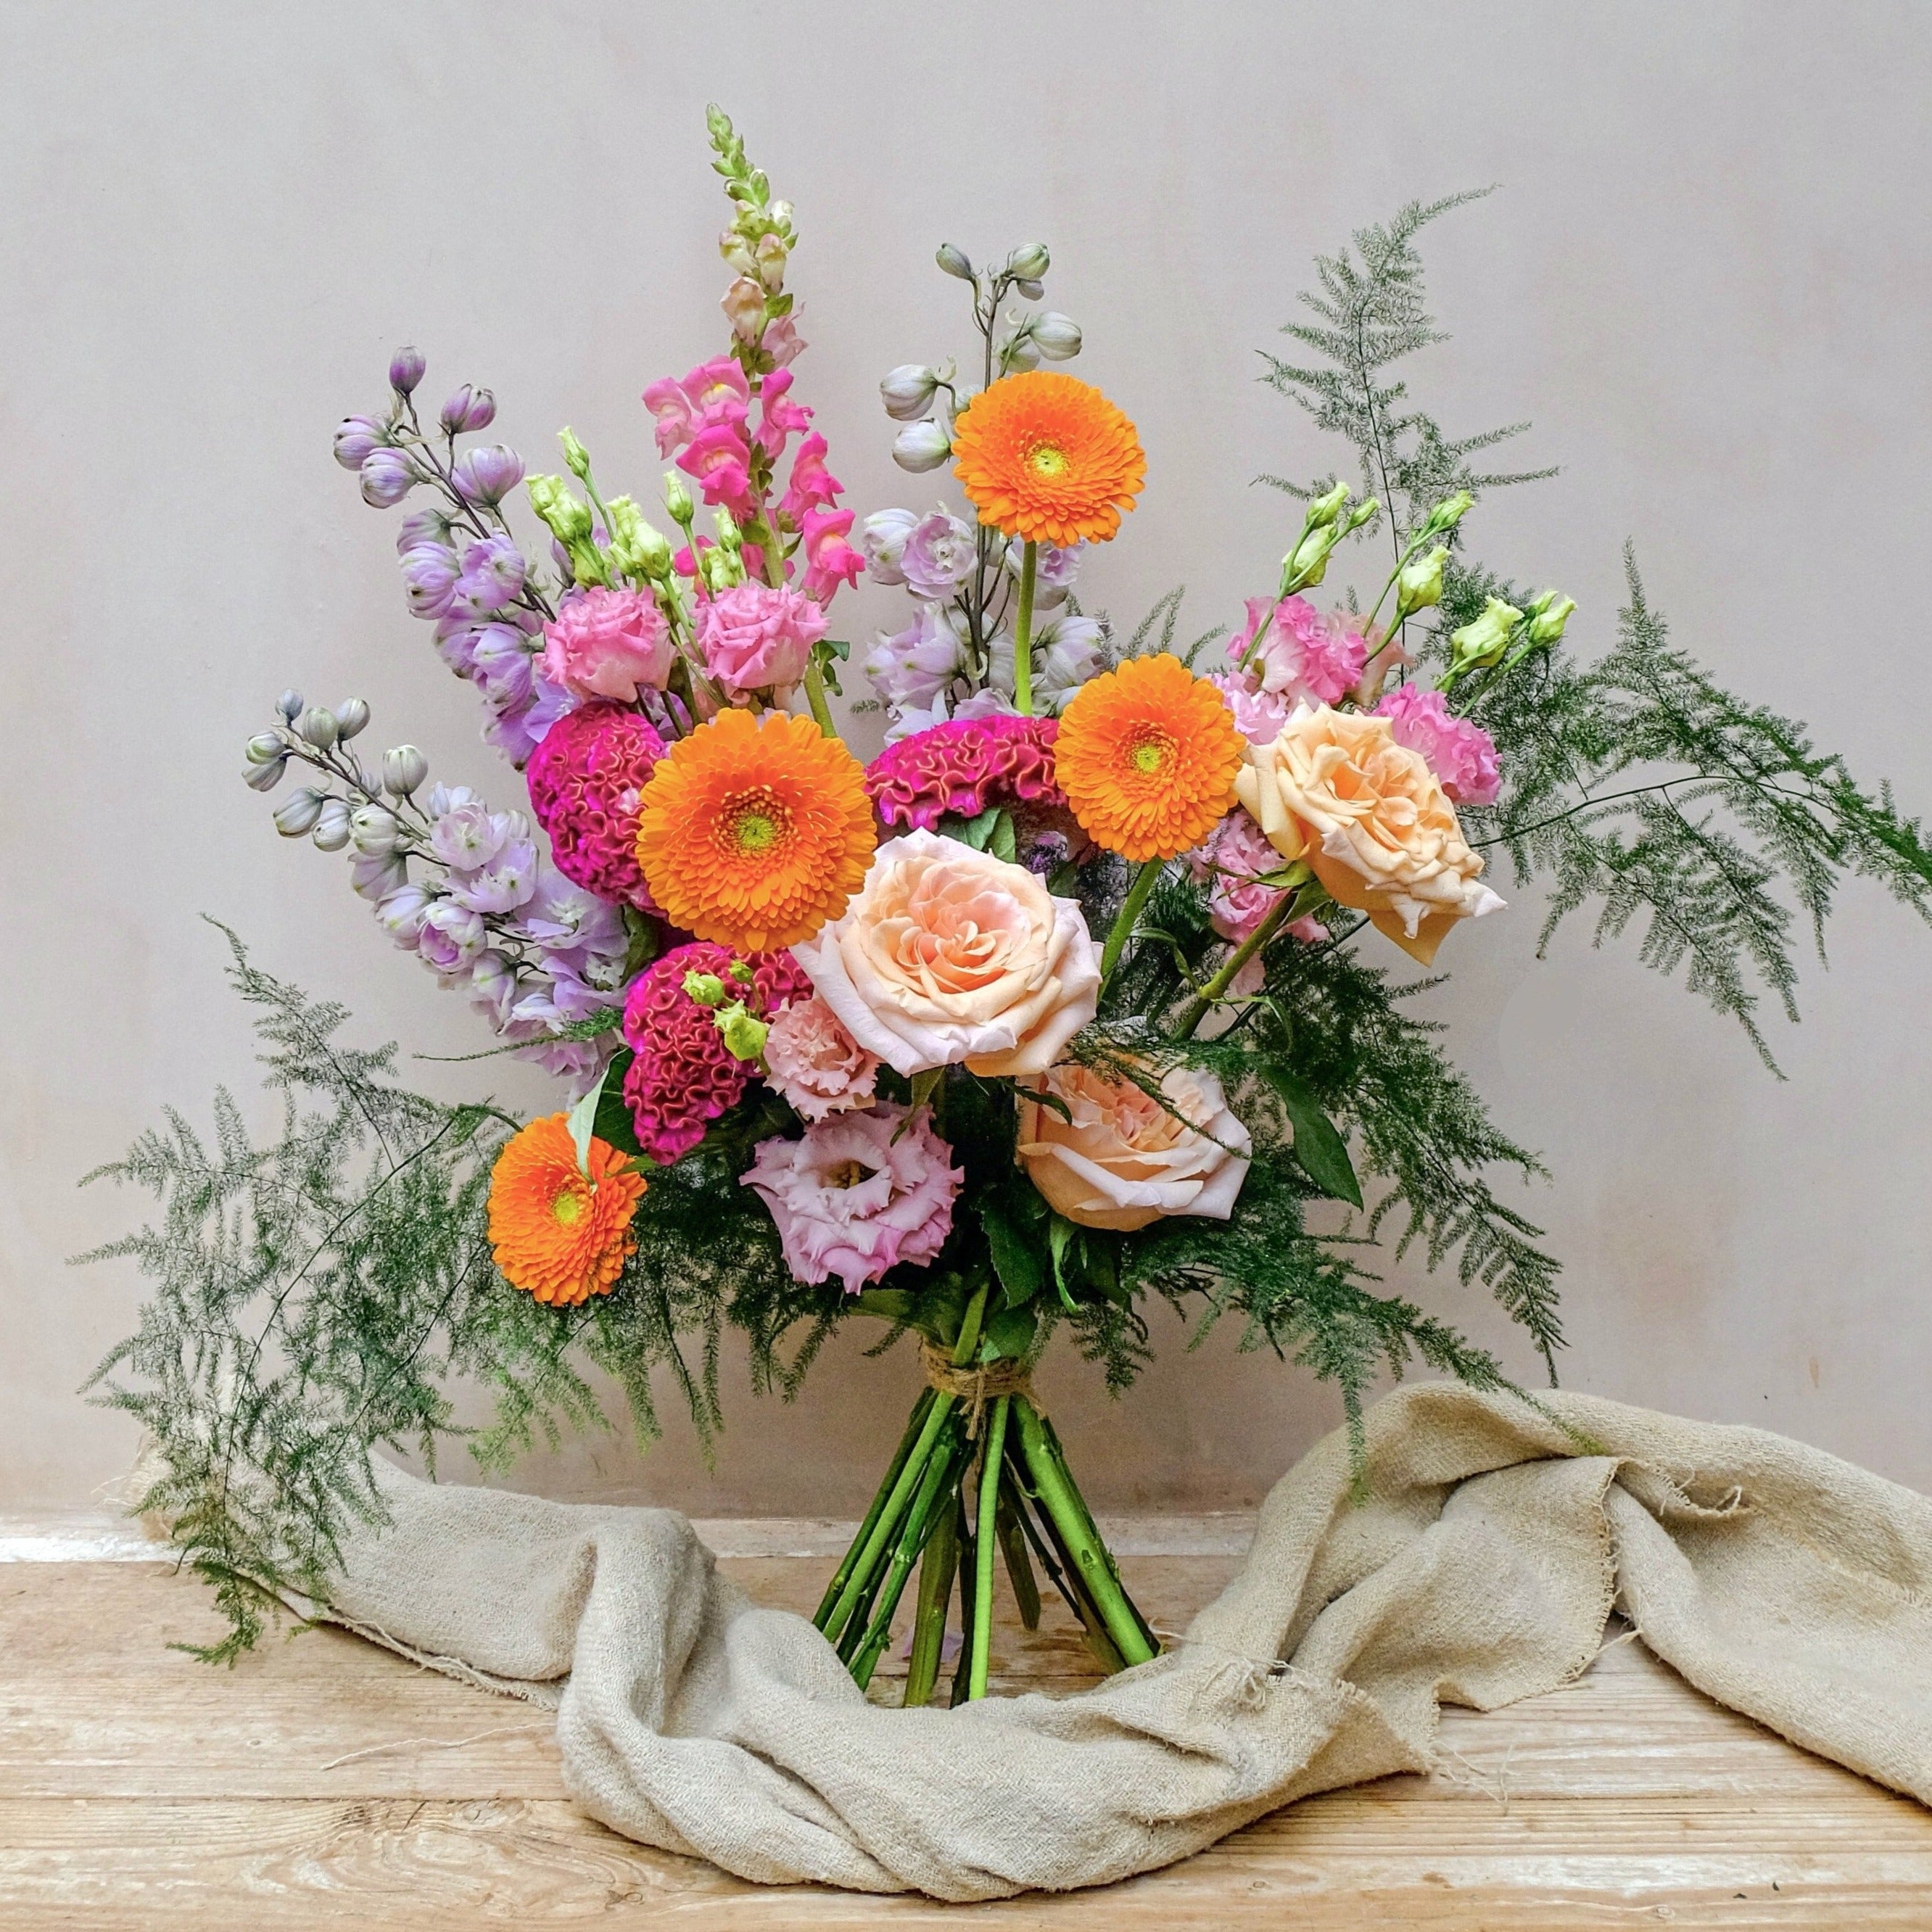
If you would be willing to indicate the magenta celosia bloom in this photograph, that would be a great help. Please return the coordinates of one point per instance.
(858, 1194)
(585, 779)
(1462, 755)
(606, 643)
(755, 638)
(815, 1063)
(1304, 655)
(962, 766)
(684, 1076)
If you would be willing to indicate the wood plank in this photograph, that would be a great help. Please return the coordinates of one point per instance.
(139, 1788)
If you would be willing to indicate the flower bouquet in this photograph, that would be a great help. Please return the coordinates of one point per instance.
(1077, 996)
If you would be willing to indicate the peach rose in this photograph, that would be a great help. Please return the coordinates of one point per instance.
(1122, 1159)
(1368, 816)
(946, 954)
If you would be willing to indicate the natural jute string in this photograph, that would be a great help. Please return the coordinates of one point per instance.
(977, 1384)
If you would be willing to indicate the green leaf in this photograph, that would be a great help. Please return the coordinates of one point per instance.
(1002, 841)
(973, 832)
(1009, 1331)
(1318, 1145)
(612, 1122)
(1017, 1260)
(582, 1120)
(1060, 1234)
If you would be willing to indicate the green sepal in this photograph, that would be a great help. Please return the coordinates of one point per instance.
(1318, 1145)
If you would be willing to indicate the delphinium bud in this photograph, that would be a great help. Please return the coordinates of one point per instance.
(403, 770)
(406, 370)
(318, 725)
(266, 747)
(388, 476)
(1032, 291)
(374, 829)
(1020, 351)
(351, 715)
(908, 391)
(265, 777)
(1029, 263)
(1056, 337)
(298, 812)
(488, 474)
(468, 410)
(921, 446)
(331, 826)
(289, 704)
(355, 436)
(954, 262)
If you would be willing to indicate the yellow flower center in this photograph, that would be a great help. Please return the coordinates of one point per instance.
(567, 1208)
(847, 1174)
(754, 822)
(1151, 750)
(1046, 460)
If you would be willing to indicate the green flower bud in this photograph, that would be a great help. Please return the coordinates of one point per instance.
(706, 988)
(1324, 509)
(1365, 511)
(729, 536)
(1484, 641)
(266, 747)
(954, 262)
(1420, 585)
(569, 520)
(1546, 625)
(1029, 263)
(1446, 514)
(1307, 563)
(678, 506)
(741, 972)
(744, 1037)
(575, 456)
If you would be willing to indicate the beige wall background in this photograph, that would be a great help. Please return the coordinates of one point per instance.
(1706, 280)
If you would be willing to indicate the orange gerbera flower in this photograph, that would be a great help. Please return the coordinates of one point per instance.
(1146, 755)
(1047, 458)
(755, 831)
(558, 1234)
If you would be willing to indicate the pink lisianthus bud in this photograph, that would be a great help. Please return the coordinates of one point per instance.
(468, 409)
(487, 475)
(758, 639)
(815, 1063)
(605, 643)
(1463, 755)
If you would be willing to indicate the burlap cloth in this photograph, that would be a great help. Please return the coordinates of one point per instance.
(1479, 1569)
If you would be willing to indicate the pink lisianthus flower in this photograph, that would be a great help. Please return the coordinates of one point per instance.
(680, 406)
(858, 1194)
(815, 1063)
(756, 638)
(830, 560)
(1305, 656)
(605, 643)
(1462, 755)
(1259, 714)
(1232, 862)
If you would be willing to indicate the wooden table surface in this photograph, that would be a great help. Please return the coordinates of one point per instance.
(324, 1783)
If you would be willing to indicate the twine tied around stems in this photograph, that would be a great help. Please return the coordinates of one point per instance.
(977, 1384)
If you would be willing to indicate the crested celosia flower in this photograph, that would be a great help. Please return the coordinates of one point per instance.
(1047, 458)
(1146, 755)
(1371, 819)
(950, 954)
(1112, 1156)
(1306, 657)
(684, 1076)
(606, 643)
(758, 639)
(962, 767)
(755, 831)
(586, 780)
(1462, 754)
(815, 1063)
(858, 1194)
(558, 1232)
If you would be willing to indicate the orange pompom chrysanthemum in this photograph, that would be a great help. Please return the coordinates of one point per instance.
(755, 831)
(1146, 755)
(1047, 458)
(559, 1234)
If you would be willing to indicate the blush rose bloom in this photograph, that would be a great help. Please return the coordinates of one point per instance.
(815, 1063)
(1372, 822)
(605, 643)
(1123, 1159)
(756, 638)
(946, 954)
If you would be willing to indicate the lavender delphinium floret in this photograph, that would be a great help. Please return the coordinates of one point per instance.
(487, 475)
(468, 409)
(388, 476)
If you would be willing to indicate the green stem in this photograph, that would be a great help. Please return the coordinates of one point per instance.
(1196, 1010)
(941, 1482)
(1137, 894)
(1013, 1548)
(1076, 1531)
(844, 1574)
(873, 1546)
(935, 1593)
(1023, 633)
(815, 696)
(968, 1566)
(985, 1546)
(1065, 1577)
